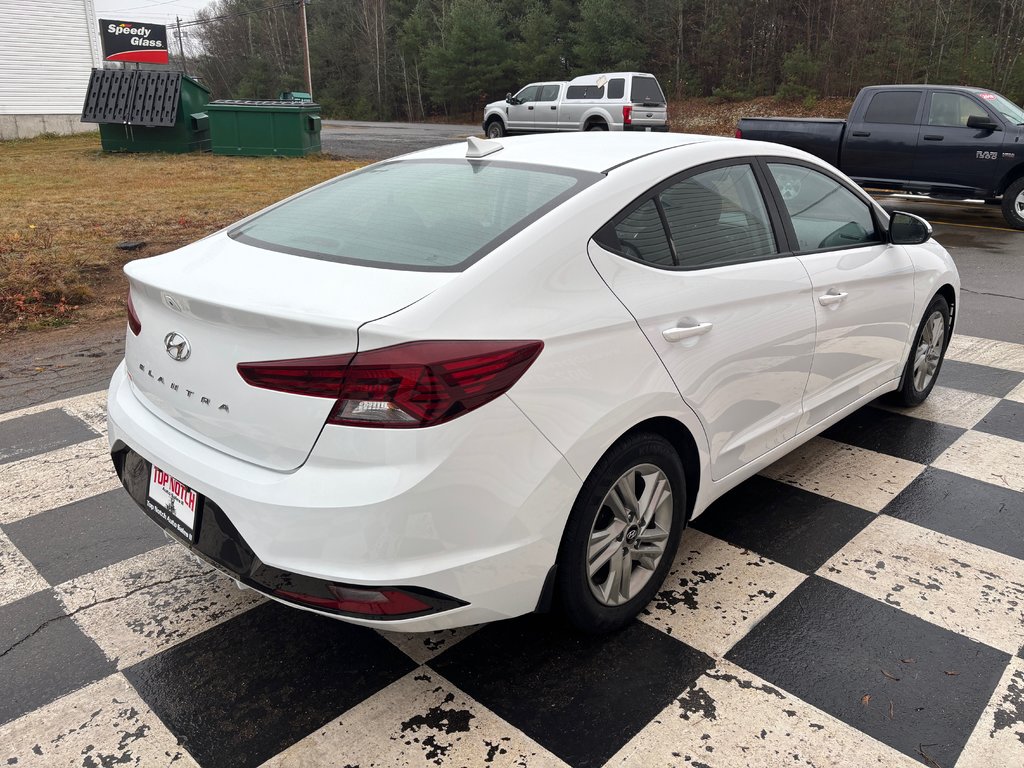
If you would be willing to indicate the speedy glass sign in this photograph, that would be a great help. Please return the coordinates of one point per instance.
(134, 41)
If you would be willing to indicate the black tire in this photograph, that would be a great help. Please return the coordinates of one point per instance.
(1013, 204)
(597, 127)
(495, 129)
(627, 550)
(926, 355)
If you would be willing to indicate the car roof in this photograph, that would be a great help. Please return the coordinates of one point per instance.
(595, 151)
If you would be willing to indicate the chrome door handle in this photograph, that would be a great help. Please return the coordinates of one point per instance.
(686, 332)
(831, 298)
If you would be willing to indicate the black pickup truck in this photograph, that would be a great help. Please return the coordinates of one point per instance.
(942, 140)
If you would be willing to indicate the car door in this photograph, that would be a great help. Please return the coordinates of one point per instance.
(697, 262)
(522, 108)
(863, 287)
(546, 112)
(880, 142)
(949, 152)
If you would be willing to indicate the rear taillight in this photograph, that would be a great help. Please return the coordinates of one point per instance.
(739, 134)
(133, 317)
(627, 114)
(418, 384)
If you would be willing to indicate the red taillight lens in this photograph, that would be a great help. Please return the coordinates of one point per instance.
(627, 114)
(739, 134)
(418, 384)
(133, 317)
(314, 376)
(382, 602)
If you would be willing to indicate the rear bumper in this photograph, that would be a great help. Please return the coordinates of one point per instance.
(470, 512)
(644, 128)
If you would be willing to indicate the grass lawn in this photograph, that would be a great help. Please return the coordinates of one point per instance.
(65, 205)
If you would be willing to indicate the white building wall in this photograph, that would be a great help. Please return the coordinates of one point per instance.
(47, 50)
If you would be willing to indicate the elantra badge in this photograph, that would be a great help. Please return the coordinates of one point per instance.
(177, 346)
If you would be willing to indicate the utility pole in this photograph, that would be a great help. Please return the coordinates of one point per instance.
(181, 45)
(305, 48)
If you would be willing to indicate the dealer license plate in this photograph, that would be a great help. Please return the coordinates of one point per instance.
(173, 502)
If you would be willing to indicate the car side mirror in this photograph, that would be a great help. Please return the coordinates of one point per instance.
(508, 98)
(980, 123)
(908, 229)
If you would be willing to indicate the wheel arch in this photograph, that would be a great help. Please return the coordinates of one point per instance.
(1011, 176)
(947, 292)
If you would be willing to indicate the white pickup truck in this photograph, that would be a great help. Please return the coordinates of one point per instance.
(616, 101)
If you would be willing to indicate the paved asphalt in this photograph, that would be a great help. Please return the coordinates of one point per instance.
(358, 140)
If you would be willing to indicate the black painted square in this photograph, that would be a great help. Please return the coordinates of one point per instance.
(894, 434)
(43, 655)
(580, 697)
(834, 648)
(246, 689)
(981, 379)
(82, 537)
(786, 524)
(40, 433)
(1005, 420)
(982, 513)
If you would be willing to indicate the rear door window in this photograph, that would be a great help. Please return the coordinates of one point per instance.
(430, 215)
(645, 90)
(898, 107)
(548, 93)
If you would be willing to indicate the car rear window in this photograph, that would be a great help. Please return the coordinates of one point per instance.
(428, 215)
(645, 90)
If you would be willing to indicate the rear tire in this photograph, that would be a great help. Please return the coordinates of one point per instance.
(597, 127)
(622, 534)
(495, 129)
(926, 354)
(1013, 204)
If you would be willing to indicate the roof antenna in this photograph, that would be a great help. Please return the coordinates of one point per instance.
(481, 147)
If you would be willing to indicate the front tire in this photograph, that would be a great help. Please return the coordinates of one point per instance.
(926, 354)
(622, 534)
(495, 129)
(1013, 204)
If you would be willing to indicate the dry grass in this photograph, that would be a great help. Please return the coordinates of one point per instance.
(65, 204)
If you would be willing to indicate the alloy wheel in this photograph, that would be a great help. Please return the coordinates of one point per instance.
(929, 350)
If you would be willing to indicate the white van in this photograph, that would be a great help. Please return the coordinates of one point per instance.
(615, 101)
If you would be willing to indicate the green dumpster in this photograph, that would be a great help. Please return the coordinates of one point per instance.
(286, 128)
(147, 111)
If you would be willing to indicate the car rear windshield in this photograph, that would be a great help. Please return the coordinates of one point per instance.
(645, 90)
(427, 215)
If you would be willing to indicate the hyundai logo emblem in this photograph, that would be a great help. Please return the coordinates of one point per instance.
(177, 346)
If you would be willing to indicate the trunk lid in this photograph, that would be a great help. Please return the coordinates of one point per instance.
(232, 303)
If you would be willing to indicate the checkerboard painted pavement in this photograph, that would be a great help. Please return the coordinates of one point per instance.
(861, 602)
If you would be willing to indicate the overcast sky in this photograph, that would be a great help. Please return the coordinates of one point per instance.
(156, 11)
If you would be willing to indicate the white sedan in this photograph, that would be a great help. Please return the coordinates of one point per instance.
(499, 376)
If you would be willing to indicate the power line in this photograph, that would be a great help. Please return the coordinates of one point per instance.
(199, 22)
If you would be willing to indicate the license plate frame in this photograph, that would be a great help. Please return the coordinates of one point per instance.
(173, 503)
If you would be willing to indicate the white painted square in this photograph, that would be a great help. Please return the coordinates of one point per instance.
(421, 719)
(955, 407)
(18, 578)
(142, 606)
(989, 458)
(856, 476)
(716, 592)
(962, 587)
(998, 738)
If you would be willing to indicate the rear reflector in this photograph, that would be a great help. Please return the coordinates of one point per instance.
(739, 134)
(627, 114)
(372, 602)
(133, 317)
(418, 384)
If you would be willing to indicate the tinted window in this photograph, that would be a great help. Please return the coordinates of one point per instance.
(893, 107)
(641, 235)
(825, 214)
(548, 93)
(645, 90)
(718, 217)
(419, 215)
(616, 88)
(584, 92)
(953, 109)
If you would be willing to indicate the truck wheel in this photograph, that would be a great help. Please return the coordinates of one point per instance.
(495, 129)
(597, 127)
(1013, 204)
